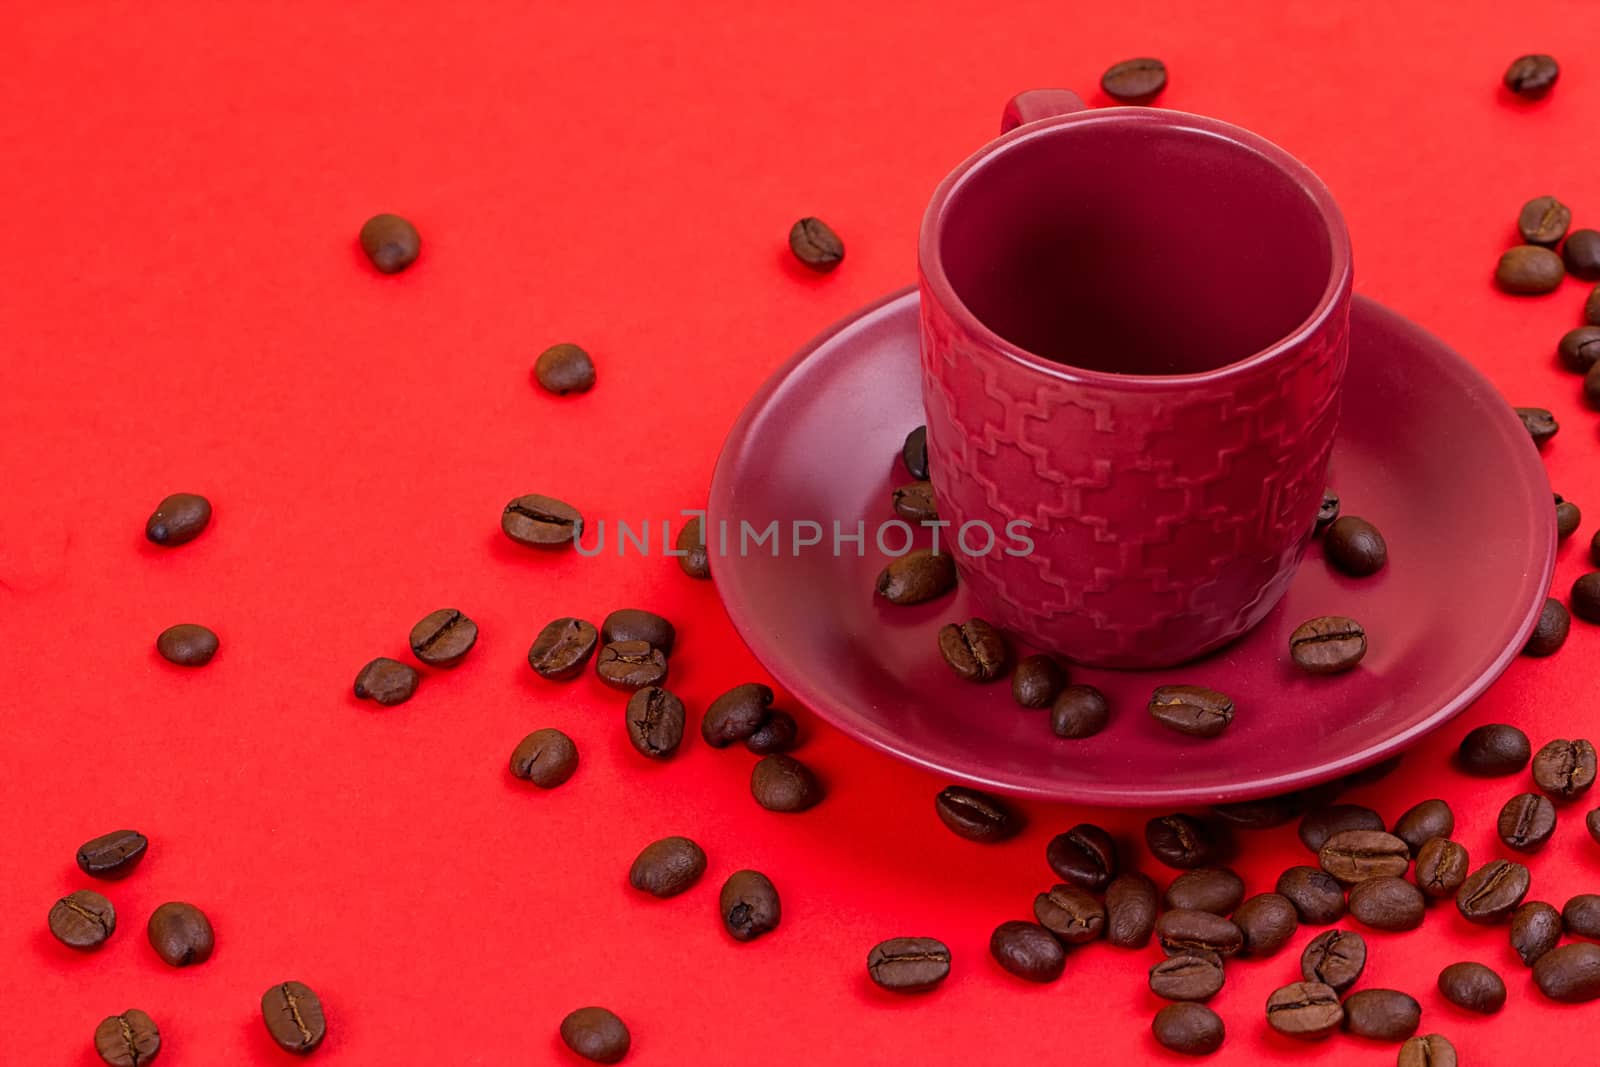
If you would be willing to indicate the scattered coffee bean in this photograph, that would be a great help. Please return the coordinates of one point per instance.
(914, 453)
(1072, 914)
(1494, 751)
(1355, 855)
(1591, 309)
(596, 1034)
(1079, 711)
(1569, 973)
(1328, 645)
(1267, 921)
(915, 503)
(1529, 270)
(1191, 709)
(1355, 546)
(564, 368)
(1260, 814)
(1568, 518)
(655, 722)
(1565, 769)
(1214, 889)
(667, 867)
(1592, 822)
(1131, 906)
(562, 648)
(1540, 423)
(1526, 822)
(390, 242)
(187, 644)
(975, 650)
(636, 624)
(736, 715)
(1307, 1010)
(1084, 856)
(178, 519)
(783, 783)
(815, 244)
(631, 665)
(1387, 904)
(1317, 896)
(545, 757)
(1535, 930)
(443, 638)
(976, 816)
(695, 557)
(1198, 931)
(112, 856)
(1544, 221)
(1442, 865)
(1550, 632)
(1322, 823)
(1579, 349)
(1532, 76)
(776, 735)
(1189, 1029)
(1423, 822)
(908, 964)
(1492, 892)
(1382, 1014)
(1135, 81)
(749, 905)
(1581, 254)
(1037, 681)
(1432, 1050)
(127, 1040)
(1180, 841)
(1186, 977)
(1028, 951)
(541, 521)
(386, 681)
(83, 919)
(1474, 987)
(294, 1017)
(917, 576)
(1335, 958)
(181, 934)
(1586, 592)
(1581, 916)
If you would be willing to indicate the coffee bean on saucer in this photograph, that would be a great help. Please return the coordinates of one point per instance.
(1428, 1050)
(1180, 841)
(1186, 977)
(749, 905)
(636, 624)
(1328, 510)
(562, 648)
(564, 368)
(976, 816)
(1262, 813)
(443, 638)
(1540, 423)
(1131, 906)
(1535, 930)
(187, 645)
(1268, 921)
(655, 722)
(1355, 546)
(1382, 1014)
(541, 521)
(1532, 76)
(83, 919)
(1214, 889)
(545, 757)
(1322, 823)
(596, 1034)
(908, 964)
(1079, 711)
(1387, 904)
(1526, 822)
(1328, 645)
(1591, 383)
(695, 560)
(1028, 951)
(294, 1017)
(974, 649)
(1334, 958)
(1570, 973)
(631, 665)
(783, 783)
(1565, 769)
(1306, 1010)
(736, 715)
(1473, 987)
(1442, 865)
(1568, 518)
(917, 576)
(1191, 709)
(1198, 931)
(1135, 81)
(776, 735)
(127, 1040)
(1355, 855)
(1581, 916)
(1188, 1028)
(1423, 822)
(112, 856)
(1529, 270)
(667, 867)
(1544, 221)
(1586, 593)
(178, 519)
(1317, 896)
(914, 453)
(914, 502)
(390, 242)
(1037, 681)
(1492, 892)
(1494, 751)
(815, 244)
(1072, 914)
(386, 681)
(1550, 632)
(1580, 348)
(1084, 856)
(181, 934)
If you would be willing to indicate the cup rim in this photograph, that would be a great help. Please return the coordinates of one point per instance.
(936, 282)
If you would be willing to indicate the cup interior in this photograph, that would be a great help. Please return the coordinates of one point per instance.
(1136, 247)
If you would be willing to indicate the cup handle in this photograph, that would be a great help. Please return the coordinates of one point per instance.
(1036, 104)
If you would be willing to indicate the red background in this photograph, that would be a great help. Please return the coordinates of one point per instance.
(184, 308)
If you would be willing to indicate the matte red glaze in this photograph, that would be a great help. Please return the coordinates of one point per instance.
(1433, 455)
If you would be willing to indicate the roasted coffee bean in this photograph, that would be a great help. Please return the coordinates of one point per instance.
(914, 502)
(1592, 822)
(390, 242)
(1198, 931)
(1267, 921)
(386, 681)
(1442, 865)
(917, 576)
(1565, 769)
(914, 453)
(112, 856)
(1084, 856)
(1335, 958)
(1037, 681)
(1431, 1050)
(1423, 822)
(1568, 518)
(976, 816)
(1474, 987)
(178, 519)
(1526, 822)
(181, 934)
(1579, 349)
(1319, 825)
(1591, 381)
(749, 905)
(1532, 76)
(596, 1034)
(1570, 973)
(1591, 309)
(1328, 645)
(1214, 889)
(1307, 1010)
(636, 624)
(187, 644)
(443, 638)
(1581, 916)
(1550, 632)
(564, 368)
(776, 735)
(1494, 751)
(1189, 1029)
(783, 783)
(815, 244)
(1191, 709)
(1529, 270)
(294, 1017)
(1180, 841)
(1072, 914)
(1317, 896)
(1261, 814)
(1492, 892)
(693, 555)
(1382, 1014)
(1540, 423)
(1581, 254)
(1079, 711)
(83, 919)
(1355, 855)
(667, 867)
(631, 665)
(1328, 510)
(545, 757)
(1131, 906)
(1028, 951)
(128, 1040)
(975, 650)
(562, 648)
(1186, 977)
(1355, 546)
(1586, 591)
(1387, 904)
(655, 722)
(1135, 81)
(908, 964)
(736, 715)
(1544, 221)
(1535, 930)
(541, 521)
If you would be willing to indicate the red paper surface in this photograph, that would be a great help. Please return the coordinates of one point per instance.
(183, 307)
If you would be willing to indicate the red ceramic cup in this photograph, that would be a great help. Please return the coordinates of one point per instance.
(1133, 339)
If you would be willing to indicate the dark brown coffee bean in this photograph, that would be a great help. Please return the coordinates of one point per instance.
(915, 503)
(667, 867)
(562, 648)
(749, 905)
(1382, 1014)
(1565, 769)
(1335, 958)
(178, 519)
(1526, 822)
(1442, 865)
(294, 1017)
(917, 576)
(1198, 931)
(1131, 905)
(596, 1034)
(655, 722)
(443, 638)
(976, 816)
(541, 521)
(181, 934)
(1535, 930)
(1037, 681)
(1317, 896)
(1494, 751)
(908, 964)
(776, 735)
(1189, 1029)
(1328, 510)
(1186, 977)
(1191, 709)
(128, 1040)
(1079, 711)
(1321, 824)
(83, 920)
(1581, 916)
(1267, 921)
(1072, 914)
(1328, 645)
(564, 368)
(1568, 518)
(1387, 904)
(386, 681)
(1028, 951)
(815, 244)
(1084, 856)
(1355, 855)
(1540, 423)
(1550, 632)
(736, 715)
(545, 757)
(631, 665)
(1423, 822)
(1261, 814)
(1492, 892)
(1474, 987)
(1579, 349)
(1529, 270)
(390, 242)
(975, 650)
(1544, 221)
(187, 644)
(1570, 973)
(1180, 841)
(112, 856)
(1581, 254)
(1532, 76)
(1431, 1050)
(1591, 309)
(695, 557)
(636, 624)
(914, 453)
(783, 783)
(1135, 81)
(1591, 381)
(1355, 546)
(1307, 1010)
(1592, 822)
(1214, 889)
(1586, 592)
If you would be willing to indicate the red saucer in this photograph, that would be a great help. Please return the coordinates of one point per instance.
(1428, 450)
